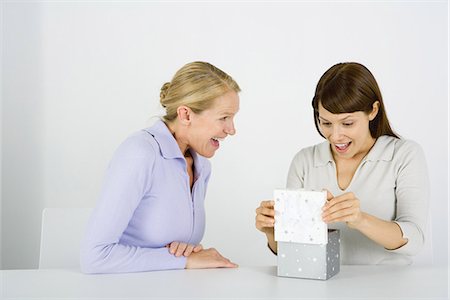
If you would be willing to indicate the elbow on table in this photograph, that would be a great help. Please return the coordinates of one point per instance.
(90, 261)
(87, 264)
(417, 245)
(415, 237)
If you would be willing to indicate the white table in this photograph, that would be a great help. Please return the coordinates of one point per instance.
(357, 282)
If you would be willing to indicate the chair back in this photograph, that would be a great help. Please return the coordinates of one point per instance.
(61, 233)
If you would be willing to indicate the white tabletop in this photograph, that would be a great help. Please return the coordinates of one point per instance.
(357, 282)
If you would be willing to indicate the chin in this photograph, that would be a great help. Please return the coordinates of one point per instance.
(206, 154)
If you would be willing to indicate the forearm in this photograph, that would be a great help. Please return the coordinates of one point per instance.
(118, 258)
(385, 233)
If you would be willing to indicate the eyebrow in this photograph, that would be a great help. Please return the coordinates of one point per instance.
(227, 112)
(339, 120)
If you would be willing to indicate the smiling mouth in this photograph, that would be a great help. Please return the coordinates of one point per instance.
(216, 141)
(342, 147)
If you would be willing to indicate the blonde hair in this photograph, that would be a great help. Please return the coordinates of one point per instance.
(195, 85)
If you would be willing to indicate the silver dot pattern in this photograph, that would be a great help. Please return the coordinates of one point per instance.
(308, 260)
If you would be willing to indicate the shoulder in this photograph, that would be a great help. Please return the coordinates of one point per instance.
(404, 154)
(388, 148)
(404, 148)
(313, 155)
(140, 144)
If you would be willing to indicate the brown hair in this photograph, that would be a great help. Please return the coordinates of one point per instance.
(195, 85)
(350, 87)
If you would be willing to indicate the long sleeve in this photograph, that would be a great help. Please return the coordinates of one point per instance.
(128, 179)
(295, 178)
(412, 192)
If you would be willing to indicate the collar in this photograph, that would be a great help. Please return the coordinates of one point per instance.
(383, 149)
(167, 144)
(322, 154)
(169, 147)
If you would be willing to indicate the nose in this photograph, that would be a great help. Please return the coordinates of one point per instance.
(229, 128)
(336, 133)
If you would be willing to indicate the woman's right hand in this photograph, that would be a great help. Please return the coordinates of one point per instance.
(208, 258)
(265, 217)
(265, 222)
(179, 248)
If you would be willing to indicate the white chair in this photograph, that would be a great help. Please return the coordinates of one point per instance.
(61, 233)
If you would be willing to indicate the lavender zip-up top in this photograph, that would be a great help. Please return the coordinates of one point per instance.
(146, 203)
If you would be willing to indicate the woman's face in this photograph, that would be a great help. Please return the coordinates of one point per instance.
(347, 133)
(208, 128)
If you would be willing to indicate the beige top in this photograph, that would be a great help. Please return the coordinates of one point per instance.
(391, 183)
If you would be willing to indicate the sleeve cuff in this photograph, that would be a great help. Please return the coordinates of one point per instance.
(414, 237)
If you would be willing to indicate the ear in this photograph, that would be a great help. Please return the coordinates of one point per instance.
(375, 109)
(184, 115)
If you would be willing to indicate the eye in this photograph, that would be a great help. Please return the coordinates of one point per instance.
(326, 124)
(224, 118)
(348, 124)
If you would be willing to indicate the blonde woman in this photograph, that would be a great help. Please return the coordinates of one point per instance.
(150, 215)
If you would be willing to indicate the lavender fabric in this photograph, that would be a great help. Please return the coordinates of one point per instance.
(145, 203)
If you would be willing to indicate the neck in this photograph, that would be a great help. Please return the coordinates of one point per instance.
(369, 145)
(177, 133)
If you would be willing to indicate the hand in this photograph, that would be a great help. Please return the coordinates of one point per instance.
(178, 249)
(265, 220)
(344, 208)
(208, 258)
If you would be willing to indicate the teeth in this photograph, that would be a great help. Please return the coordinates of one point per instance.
(218, 139)
(342, 146)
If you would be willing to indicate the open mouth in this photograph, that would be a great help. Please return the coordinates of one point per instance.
(342, 147)
(216, 141)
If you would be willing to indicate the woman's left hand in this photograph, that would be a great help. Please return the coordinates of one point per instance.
(343, 208)
(178, 249)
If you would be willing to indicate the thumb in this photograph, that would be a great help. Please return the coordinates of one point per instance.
(198, 248)
(329, 195)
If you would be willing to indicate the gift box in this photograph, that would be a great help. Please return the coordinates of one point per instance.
(306, 248)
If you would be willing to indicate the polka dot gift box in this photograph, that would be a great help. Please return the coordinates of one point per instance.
(306, 248)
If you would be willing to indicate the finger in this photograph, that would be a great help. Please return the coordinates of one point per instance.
(336, 207)
(340, 198)
(345, 218)
(340, 215)
(230, 265)
(198, 248)
(266, 211)
(180, 250)
(329, 195)
(227, 263)
(344, 197)
(173, 247)
(268, 203)
(264, 221)
(189, 249)
(269, 221)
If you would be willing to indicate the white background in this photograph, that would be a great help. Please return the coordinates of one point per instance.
(78, 78)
